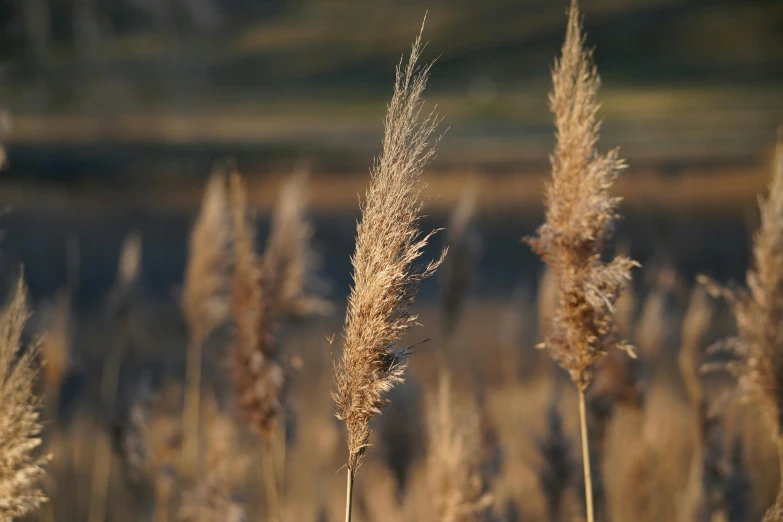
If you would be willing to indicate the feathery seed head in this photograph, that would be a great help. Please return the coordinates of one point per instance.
(458, 487)
(758, 309)
(258, 375)
(20, 428)
(206, 275)
(579, 216)
(289, 260)
(388, 242)
(211, 499)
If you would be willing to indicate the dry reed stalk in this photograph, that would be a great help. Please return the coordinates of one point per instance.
(265, 292)
(20, 428)
(758, 312)
(289, 262)
(579, 220)
(458, 488)
(458, 270)
(149, 440)
(385, 284)
(120, 302)
(211, 499)
(702, 499)
(259, 375)
(706, 496)
(288, 272)
(204, 303)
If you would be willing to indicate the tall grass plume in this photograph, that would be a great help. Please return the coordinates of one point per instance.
(204, 301)
(20, 427)
(458, 488)
(758, 312)
(579, 220)
(385, 282)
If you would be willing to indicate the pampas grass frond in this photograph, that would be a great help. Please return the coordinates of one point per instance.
(289, 262)
(204, 295)
(211, 499)
(580, 216)
(388, 242)
(458, 488)
(758, 312)
(259, 376)
(385, 282)
(204, 301)
(20, 428)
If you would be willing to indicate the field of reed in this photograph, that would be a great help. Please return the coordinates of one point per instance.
(611, 380)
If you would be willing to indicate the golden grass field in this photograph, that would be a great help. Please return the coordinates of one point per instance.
(286, 341)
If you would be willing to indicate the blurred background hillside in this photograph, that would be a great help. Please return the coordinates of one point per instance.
(118, 109)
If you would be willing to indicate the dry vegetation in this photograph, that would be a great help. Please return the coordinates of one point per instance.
(495, 436)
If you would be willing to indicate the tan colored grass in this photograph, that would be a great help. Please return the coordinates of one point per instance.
(20, 429)
(385, 282)
(758, 312)
(121, 300)
(579, 220)
(211, 500)
(259, 376)
(289, 262)
(205, 289)
(458, 487)
(579, 216)
(204, 302)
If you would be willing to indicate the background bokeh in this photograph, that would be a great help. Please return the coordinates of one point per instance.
(114, 113)
(118, 109)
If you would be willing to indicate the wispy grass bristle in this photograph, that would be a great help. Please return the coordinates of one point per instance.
(580, 216)
(458, 488)
(758, 313)
(385, 282)
(20, 429)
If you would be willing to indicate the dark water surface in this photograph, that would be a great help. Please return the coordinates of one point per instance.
(716, 245)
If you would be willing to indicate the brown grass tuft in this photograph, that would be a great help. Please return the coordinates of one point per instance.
(388, 242)
(20, 429)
